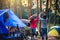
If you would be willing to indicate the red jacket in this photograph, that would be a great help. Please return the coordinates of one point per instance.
(33, 22)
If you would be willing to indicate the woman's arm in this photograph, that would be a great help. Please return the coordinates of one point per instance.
(36, 18)
(40, 18)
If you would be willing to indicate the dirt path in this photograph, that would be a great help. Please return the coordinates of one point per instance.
(49, 38)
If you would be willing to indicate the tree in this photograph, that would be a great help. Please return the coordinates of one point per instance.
(55, 12)
(50, 3)
(47, 3)
(20, 8)
(29, 7)
(55, 7)
(1, 4)
(8, 3)
(40, 5)
(47, 7)
(15, 6)
(40, 11)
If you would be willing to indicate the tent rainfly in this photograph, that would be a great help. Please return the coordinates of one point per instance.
(12, 20)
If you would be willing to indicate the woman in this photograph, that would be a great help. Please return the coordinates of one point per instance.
(33, 21)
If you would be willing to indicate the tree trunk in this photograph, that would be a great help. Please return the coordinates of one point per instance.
(15, 6)
(21, 9)
(40, 5)
(47, 11)
(29, 8)
(8, 3)
(40, 11)
(50, 2)
(47, 7)
(55, 18)
(37, 8)
(1, 4)
(55, 12)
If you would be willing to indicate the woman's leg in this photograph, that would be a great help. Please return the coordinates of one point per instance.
(31, 33)
(46, 34)
(42, 33)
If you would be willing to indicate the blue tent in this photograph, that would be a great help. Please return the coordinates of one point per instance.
(3, 29)
(13, 20)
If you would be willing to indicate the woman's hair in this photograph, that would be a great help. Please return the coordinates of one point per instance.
(44, 17)
(33, 17)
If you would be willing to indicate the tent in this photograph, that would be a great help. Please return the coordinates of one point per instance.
(3, 29)
(54, 31)
(26, 21)
(13, 20)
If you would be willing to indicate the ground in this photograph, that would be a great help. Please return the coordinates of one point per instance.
(49, 38)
